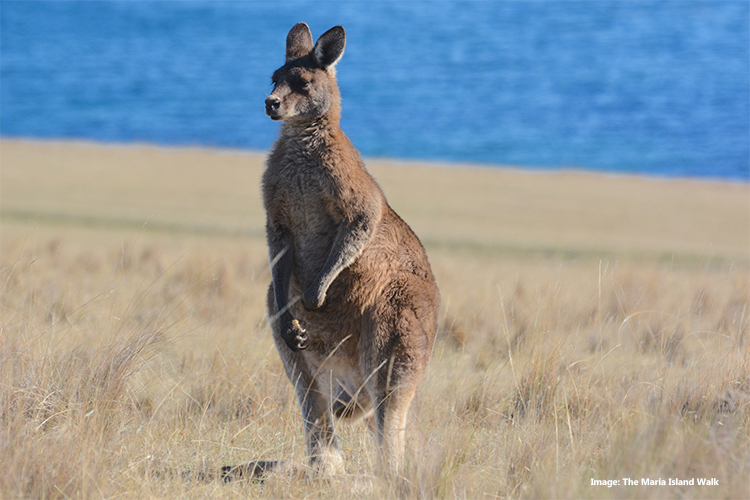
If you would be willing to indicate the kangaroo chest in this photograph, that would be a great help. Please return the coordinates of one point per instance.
(298, 198)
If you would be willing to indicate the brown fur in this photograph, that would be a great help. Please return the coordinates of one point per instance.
(353, 302)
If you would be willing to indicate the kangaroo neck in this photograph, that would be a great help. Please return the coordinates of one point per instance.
(320, 125)
(315, 135)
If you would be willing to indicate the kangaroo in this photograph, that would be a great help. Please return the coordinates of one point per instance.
(353, 301)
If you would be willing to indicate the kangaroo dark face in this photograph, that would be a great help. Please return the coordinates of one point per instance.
(305, 87)
(301, 91)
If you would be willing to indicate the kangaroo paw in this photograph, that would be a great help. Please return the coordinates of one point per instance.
(295, 336)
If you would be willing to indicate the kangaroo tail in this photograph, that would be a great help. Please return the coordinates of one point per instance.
(250, 471)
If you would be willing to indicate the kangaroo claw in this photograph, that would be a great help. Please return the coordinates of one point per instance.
(296, 337)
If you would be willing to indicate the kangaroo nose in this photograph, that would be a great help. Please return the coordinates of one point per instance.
(272, 104)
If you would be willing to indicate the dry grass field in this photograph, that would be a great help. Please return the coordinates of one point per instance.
(592, 328)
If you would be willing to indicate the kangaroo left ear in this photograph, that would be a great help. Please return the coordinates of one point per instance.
(298, 42)
(330, 47)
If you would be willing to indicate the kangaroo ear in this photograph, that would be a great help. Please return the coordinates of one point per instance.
(330, 47)
(299, 42)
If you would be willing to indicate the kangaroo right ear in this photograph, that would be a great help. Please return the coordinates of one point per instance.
(299, 42)
(330, 47)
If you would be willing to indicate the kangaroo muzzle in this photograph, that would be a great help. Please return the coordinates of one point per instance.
(273, 105)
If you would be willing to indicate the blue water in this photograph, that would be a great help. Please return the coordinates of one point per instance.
(659, 88)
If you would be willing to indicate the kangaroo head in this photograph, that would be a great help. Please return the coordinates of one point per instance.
(305, 86)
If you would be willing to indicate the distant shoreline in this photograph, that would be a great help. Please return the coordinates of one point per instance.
(401, 162)
(483, 209)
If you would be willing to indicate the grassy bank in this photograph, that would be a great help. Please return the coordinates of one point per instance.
(592, 327)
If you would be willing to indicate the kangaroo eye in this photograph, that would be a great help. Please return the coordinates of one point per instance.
(305, 84)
